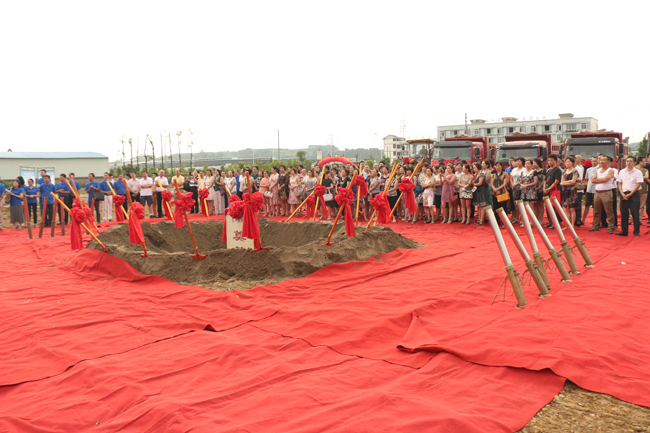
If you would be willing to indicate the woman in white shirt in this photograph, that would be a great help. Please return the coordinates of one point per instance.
(515, 179)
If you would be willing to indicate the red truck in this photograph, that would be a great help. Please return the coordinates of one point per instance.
(470, 149)
(590, 144)
(527, 146)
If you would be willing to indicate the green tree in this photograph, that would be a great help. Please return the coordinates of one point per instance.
(370, 162)
(643, 147)
(301, 155)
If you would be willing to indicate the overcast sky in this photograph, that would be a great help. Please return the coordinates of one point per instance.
(77, 76)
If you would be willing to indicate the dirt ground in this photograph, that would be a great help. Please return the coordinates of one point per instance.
(573, 410)
(296, 250)
(577, 410)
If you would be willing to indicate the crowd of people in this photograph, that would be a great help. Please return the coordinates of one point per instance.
(454, 192)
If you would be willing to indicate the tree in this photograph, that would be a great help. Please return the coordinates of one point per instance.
(301, 155)
(643, 147)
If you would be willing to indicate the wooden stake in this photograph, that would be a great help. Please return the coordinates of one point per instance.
(196, 256)
(53, 225)
(29, 224)
(42, 226)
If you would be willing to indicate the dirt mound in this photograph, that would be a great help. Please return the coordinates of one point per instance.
(296, 250)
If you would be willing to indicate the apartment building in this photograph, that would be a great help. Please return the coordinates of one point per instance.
(496, 131)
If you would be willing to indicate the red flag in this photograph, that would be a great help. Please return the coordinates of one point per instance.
(136, 215)
(406, 187)
(251, 229)
(345, 198)
(167, 198)
(184, 203)
(118, 201)
(78, 217)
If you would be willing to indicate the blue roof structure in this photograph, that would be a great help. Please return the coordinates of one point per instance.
(50, 155)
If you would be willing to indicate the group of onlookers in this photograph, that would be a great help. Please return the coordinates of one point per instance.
(452, 192)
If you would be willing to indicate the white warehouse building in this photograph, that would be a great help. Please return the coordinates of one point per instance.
(13, 164)
(559, 128)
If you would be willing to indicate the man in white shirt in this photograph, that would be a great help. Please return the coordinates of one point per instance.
(134, 187)
(162, 180)
(581, 192)
(591, 187)
(629, 181)
(604, 178)
(146, 192)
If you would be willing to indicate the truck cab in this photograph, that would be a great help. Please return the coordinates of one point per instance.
(529, 146)
(456, 149)
(589, 145)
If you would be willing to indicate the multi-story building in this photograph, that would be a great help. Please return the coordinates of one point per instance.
(394, 146)
(559, 128)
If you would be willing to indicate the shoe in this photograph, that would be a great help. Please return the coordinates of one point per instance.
(594, 230)
(635, 234)
(551, 227)
(611, 232)
(621, 234)
(150, 216)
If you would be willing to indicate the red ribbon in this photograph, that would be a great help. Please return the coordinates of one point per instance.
(184, 203)
(311, 206)
(236, 210)
(118, 201)
(320, 191)
(345, 198)
(406, 160)
(167, 199)
(362, 188)
(136, 215)
(251, 229)
(204, 193)
(78, 217)
(406, 186)
(380, 204)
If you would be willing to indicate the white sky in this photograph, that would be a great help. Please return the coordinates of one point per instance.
(77, 75)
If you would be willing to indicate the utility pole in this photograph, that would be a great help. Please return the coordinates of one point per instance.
(465, 123)
(278, 144)
(171, 152)
(123, 157)
(137, 152)
(131, 145)
(162, 151)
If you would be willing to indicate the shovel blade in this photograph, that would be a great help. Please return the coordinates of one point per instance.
(198, 256)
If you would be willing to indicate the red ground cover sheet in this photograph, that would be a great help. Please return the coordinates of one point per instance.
(245, 379)
(136, 329)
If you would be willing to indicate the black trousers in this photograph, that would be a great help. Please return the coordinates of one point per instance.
(603, 216)
(49, 211)
(160, 204)
(195, 197)
(632, 204)
(134, 197)
(33, 210)
(98, 215)
(580, 196)
(67, 200)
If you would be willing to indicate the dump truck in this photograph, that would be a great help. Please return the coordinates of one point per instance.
(470, 149)
(590, 144)
(529, 146)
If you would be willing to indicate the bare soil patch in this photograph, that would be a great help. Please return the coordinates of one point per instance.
(296, 250)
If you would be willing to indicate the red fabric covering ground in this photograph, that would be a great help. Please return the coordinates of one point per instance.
(361, 309)
(245, 379)
(92, 306)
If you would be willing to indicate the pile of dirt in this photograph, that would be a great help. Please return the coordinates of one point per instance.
(296, 250)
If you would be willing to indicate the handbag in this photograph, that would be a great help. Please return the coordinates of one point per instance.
(98, 195)
(268, 194)
(503, 197)
(328, 197)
